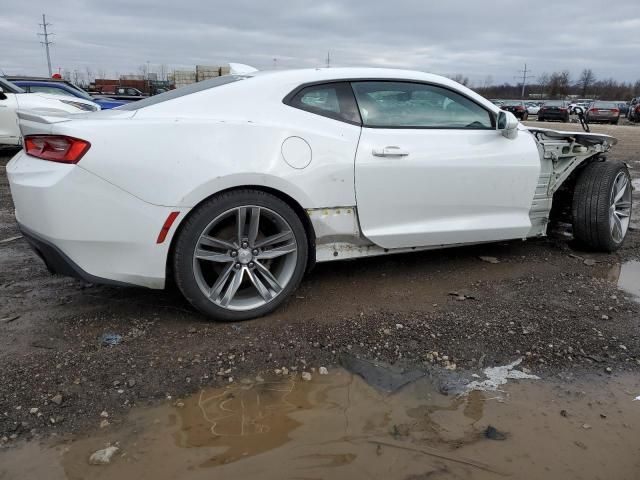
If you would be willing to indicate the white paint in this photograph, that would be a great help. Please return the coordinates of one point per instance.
(455, 186)
(497, 376)
(296, 152)
(105, 213)
(41, 102)
(104, 456)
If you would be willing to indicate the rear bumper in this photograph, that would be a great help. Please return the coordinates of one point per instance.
(58, 263)
(602, 118)
(554, 115)
(86, 227)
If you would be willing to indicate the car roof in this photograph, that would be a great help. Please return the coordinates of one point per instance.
(325, 74)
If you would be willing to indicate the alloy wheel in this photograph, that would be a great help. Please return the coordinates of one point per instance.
(245, 257)
(620, 207)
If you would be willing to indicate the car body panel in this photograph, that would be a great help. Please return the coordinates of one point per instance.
(460, 186)
(455, 186)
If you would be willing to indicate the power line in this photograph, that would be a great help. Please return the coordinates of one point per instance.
(46, 42)
(525, 74)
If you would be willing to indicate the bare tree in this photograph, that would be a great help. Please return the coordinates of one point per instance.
(90, 75)
(587, 78)
(543, 81)
(162, 72)
(458, 77)
(102, 73)
(559, 84)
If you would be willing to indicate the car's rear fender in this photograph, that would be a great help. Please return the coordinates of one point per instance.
(180, 162)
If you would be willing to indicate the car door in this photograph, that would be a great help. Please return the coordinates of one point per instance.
(9, 132)
(432, 169)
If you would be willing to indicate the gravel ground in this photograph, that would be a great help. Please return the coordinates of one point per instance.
(555, 306)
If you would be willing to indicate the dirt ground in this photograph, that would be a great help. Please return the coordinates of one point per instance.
(556, 307)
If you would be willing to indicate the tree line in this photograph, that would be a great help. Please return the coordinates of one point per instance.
(559, 85)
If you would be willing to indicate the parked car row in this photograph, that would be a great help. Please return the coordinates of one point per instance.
(561, 110)
(633, 113)
(62, 87)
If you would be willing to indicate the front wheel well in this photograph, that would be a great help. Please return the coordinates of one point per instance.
(297, 208)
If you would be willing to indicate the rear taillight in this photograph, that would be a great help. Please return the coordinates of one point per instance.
(520, 109)
(563, 109)
(615, 111)
(56, 148)
(593, 110)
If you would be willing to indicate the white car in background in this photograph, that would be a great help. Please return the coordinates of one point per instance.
(533, 108)
(13, 98)
(235, 186)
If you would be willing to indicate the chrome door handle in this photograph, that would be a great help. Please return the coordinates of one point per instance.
(390, 152)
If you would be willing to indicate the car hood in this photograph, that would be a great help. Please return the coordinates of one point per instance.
(583, 138)
(47, 101)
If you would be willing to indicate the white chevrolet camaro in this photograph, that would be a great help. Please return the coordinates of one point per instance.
(235, 186)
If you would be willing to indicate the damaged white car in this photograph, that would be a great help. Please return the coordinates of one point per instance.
(235, 186)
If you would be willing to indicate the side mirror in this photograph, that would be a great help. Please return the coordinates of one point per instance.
(508, 124)
(2, 95)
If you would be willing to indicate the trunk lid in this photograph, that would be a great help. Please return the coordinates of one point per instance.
(41, 121)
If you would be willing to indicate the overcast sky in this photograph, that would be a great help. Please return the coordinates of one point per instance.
(475, 38)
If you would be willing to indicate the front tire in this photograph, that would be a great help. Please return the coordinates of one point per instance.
(602, 202)
(240, 254)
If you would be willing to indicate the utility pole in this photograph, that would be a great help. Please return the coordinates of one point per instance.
(525, 74)
(46, 42)
(328, 59)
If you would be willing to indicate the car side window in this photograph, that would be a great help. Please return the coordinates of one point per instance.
(392, 104)
(333, 100)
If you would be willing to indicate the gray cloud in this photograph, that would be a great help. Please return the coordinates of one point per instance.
(474, 38)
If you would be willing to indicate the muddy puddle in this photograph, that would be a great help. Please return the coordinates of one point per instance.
(339, 426)
(627, 277)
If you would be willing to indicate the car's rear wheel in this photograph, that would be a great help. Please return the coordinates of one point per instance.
(240, 254)
(602, 202)
(540, 119)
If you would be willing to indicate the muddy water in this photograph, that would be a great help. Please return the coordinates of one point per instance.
(627, 277)
(337, 426)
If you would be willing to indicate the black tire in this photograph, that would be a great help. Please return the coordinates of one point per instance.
(615, 122)
(195, 224)
(540, 119)
(591, 202)
(566, 119)
(525, 116)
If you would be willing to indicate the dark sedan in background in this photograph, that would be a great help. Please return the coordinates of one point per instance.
(517, 107)
(61, 87)
(606, 112)
(554, 110)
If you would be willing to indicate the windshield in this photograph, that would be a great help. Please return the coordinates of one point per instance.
(512, 103)
(9, 87)
(554, 103)
(78, 92)
(605, 105)
(181, 92)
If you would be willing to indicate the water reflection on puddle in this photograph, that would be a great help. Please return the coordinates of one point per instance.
(627, 277)
(338, 426)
